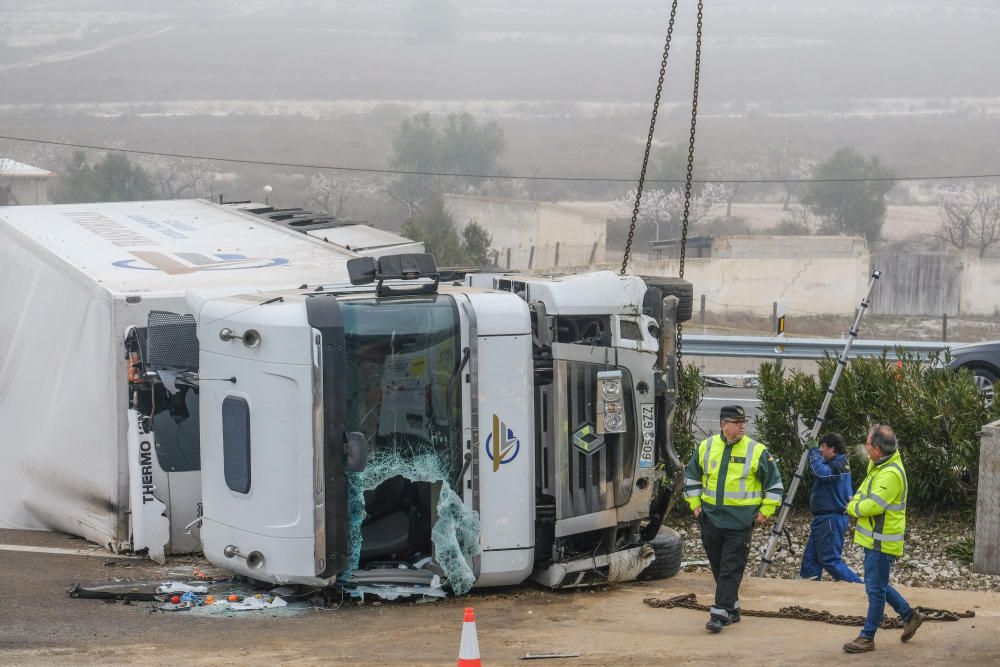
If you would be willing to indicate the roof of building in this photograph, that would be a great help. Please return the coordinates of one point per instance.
(9, 167)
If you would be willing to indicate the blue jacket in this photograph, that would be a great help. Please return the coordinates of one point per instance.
(831, 483)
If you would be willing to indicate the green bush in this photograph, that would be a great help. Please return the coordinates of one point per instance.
(690, 390)
(936, 413)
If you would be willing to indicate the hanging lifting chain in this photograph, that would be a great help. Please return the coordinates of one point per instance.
(690, 167)
(649, 138)
(689, 175)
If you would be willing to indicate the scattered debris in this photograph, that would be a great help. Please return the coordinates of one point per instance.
(548, 656)
(392, 592)
(256, 602)
(180, 587)
(115, 592)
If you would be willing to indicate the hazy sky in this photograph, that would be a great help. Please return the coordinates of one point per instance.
(760, 51)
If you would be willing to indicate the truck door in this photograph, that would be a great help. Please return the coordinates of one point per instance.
(273, 481)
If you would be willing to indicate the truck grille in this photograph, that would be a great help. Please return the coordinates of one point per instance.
(585, 471)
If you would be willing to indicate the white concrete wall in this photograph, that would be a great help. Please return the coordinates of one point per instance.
(808, 285)
(805, 285)
(29, 191)
(558, 235)
(980, 287)
(788, 246)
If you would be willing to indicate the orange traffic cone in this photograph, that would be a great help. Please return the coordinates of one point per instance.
(468, 650)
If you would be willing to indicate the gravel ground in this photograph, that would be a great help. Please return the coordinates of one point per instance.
(926, 561)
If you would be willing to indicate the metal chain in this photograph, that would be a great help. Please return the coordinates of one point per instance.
(690, 601)
(649, 138)
(690, 172)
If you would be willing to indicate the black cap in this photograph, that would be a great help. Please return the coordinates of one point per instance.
(732, 412)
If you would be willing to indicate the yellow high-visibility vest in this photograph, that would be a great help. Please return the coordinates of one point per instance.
(742, 487)
(880, 507)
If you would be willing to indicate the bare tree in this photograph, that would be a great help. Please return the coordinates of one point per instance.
(177, 179)
(986, 229)
(798, 221)
(733, 170)
(404, 190)
(331, 190)
(970, 218)
(661, 208)
(35, 155)
(782, 163)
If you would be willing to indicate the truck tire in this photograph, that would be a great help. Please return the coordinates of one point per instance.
(668, 547)
(682, 289)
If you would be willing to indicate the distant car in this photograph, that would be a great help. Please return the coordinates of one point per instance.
(983, 359)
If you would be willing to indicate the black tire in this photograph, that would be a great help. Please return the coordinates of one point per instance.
(668, 547)
(682, 289)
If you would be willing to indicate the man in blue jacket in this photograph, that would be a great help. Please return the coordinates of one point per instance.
(828, 501)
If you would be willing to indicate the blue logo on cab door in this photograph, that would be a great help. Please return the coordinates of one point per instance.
(502, 446)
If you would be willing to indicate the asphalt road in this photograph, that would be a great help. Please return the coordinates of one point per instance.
(40, 624)
(716, 397)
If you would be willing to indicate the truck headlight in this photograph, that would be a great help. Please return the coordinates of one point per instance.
(614, 422)
(610, 403)
(611, 390)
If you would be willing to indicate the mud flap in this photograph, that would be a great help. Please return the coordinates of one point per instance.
(150, 525)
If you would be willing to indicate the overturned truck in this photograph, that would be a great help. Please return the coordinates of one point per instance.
(378, 421)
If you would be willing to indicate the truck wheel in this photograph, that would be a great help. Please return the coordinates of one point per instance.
(667, 545)
(682, 289)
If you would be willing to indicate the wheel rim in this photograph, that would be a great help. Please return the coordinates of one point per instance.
(985, 387)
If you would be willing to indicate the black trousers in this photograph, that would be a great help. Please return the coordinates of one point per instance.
(728, 550)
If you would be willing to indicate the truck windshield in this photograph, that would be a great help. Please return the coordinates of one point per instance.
(402, 357)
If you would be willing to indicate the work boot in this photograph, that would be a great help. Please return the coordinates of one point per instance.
(734, 617)
(715, 624)
(910, 629)
(860, 645)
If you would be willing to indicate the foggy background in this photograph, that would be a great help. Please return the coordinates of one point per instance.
(569, 83)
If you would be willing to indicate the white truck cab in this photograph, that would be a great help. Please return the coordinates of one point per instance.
(496, 428)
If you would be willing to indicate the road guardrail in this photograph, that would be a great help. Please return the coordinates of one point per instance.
(783, 347)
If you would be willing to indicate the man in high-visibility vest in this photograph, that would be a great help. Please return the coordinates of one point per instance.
(880, 508)
(730, 482)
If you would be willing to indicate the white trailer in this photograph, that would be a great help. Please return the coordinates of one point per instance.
(74, 279)
(181, 375)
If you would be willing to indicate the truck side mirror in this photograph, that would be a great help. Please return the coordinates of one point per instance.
(357, 452)
(361, 270)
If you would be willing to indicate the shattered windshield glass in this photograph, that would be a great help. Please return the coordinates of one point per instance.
(401, 357)
(403, 361)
